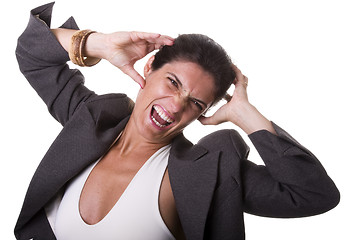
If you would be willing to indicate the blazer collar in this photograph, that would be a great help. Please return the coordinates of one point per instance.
(183, 149)
(193, 175)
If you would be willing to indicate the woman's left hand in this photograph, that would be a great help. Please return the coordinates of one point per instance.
(226, 112)
(238, 109)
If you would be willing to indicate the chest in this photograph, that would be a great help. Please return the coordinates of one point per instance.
(114, 177)
(105, 186)
(123, 193)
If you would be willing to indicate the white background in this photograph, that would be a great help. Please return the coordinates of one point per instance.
(302, 59)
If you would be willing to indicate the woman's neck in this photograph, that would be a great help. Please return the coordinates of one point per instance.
(131, 142)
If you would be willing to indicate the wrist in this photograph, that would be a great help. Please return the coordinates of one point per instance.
(96, 45)
(250, 120)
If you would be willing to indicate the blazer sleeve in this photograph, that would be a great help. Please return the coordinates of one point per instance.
(293, 183)
(43, 61)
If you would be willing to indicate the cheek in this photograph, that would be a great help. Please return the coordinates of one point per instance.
(157, 89)
(150, 93)
(189, 115)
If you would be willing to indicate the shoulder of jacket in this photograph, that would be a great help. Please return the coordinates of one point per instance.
(109, 97)
(115, 106)
(225, 140)
(111, 100)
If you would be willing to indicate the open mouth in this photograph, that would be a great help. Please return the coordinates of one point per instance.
(160, 117)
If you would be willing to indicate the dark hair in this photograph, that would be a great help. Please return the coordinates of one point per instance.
(202, 50)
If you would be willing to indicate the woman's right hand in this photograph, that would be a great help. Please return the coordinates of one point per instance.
(238, 110)
(123, 49)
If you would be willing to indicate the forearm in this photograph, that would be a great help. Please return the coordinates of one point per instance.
(293, 184)
(94, 47)
(63, 36)
(250, 120)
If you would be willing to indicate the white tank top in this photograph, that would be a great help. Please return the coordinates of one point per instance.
(135, 215)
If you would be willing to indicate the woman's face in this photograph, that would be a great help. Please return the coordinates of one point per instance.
(173, 96)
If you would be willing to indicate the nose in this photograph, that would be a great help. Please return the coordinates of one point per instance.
(179, 102)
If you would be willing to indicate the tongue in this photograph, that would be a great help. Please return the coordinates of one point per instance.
(159, 119)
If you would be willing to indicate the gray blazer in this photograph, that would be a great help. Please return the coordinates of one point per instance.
(212, 181)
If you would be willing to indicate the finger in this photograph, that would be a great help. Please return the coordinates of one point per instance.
(238, 74)
(154, 38)
(240, 77)
(131, 72)
(237, 70)
(215, 119)
(206, 120)
(158, 46)
(168, 37)
(144, 35)
(154, 41)
(246, 81)
(227, 97)
(162, 41)
(235, 81)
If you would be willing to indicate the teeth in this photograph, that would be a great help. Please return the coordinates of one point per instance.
(163, 114)
(157, 123)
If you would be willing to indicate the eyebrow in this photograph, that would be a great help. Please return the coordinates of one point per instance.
(180, 83)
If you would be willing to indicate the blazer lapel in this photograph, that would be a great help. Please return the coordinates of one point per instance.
(81, 142)
(193, 175)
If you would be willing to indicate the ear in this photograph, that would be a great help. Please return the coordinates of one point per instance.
(147, 67)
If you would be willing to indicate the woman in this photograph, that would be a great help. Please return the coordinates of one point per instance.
(125, 170)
